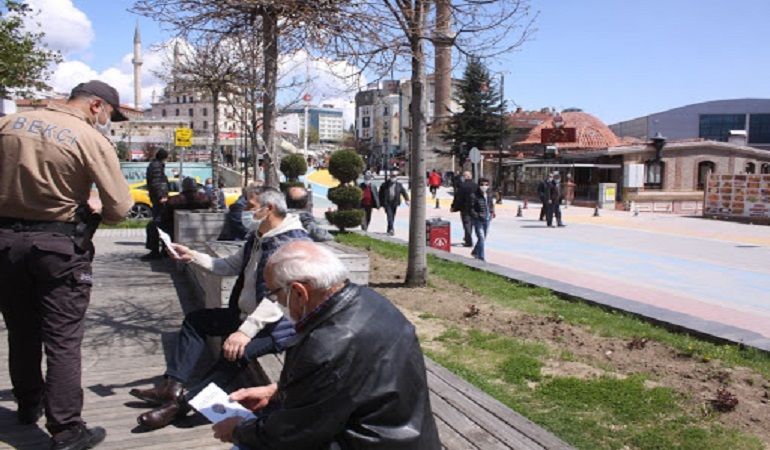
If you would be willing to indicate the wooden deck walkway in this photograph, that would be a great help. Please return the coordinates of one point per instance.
(133, 319)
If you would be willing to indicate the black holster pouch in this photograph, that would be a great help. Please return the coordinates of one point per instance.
(86, 223)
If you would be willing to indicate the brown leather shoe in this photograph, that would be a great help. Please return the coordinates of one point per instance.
(169, 390)
(163, 415)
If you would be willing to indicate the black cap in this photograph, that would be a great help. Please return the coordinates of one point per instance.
(105, 92)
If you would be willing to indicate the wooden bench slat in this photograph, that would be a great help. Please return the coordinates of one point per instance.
(512, 418)
(464, 425)
(451, 439)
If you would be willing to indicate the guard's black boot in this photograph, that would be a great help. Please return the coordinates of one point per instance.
(78, 438)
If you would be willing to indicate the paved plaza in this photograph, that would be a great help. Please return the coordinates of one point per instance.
(714, 271)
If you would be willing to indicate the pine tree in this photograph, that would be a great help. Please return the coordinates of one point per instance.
(478, 124)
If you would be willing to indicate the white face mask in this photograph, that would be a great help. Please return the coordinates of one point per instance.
(249, 222)
(484, 189)
(287, 309)
(104, 129)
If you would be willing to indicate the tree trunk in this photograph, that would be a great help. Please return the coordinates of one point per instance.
(417, 268)
(270, 52)
(215, 144)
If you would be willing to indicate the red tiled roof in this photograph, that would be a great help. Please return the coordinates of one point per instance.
(591, 132)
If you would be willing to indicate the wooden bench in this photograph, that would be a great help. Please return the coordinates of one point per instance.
(466, 417)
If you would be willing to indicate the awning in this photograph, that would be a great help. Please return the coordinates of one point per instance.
(595, 166)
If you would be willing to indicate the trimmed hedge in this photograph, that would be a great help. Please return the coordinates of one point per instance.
(345, 196)
(347, 218)
(293, 166)
(346, 165)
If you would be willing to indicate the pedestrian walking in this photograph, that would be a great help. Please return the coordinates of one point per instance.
(462, 203)
(482, 213)
(542, 187)
(49, 159)
(554, 198)
(391, 193)
(370, 199)
(157, 186)
(434, 182)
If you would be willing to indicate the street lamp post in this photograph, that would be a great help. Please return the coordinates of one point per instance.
(502, 136)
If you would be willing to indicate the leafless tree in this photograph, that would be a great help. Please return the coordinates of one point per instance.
(376, 35)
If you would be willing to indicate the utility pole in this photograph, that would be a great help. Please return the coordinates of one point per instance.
(502, 133)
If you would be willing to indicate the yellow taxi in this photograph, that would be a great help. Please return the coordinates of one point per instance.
(140, 193)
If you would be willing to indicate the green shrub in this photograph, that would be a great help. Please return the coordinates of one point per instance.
(346, 165)
(345, 196)
(349, 218)
(293, 166)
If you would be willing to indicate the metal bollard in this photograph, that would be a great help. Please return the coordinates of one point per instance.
(437, 204)
(525, 204)
(596, 211)
(519, 212)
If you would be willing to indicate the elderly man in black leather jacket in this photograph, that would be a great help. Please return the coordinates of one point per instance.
(354, 375)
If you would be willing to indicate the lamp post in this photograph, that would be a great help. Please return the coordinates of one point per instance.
(502, 136)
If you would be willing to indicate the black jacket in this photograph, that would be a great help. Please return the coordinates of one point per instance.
(233, 229)
(553, 192)
(157, 181)
(462, 198)
(353, 378)
(386, 199)
(480, 204)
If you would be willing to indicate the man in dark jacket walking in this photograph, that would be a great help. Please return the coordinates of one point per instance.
(157, 185)
(354, 375)
(462, 203)
(391, 193)
(542, 187)
(554, 197)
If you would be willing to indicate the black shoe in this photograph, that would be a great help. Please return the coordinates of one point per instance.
(78, 438)
(151, 256)
(466, 244)
(163, 415)
(561, 225)
(550, 226)
(390, 233)
(29, 413)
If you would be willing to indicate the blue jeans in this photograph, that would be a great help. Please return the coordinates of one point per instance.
(480, 227)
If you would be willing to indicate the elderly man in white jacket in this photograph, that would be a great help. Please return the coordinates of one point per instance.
(252, 325)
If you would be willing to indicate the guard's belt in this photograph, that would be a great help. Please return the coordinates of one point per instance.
(37, 225)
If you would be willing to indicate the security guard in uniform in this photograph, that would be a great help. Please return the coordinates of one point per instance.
(49, 160)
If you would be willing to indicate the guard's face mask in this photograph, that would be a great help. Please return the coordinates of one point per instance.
(103, 128)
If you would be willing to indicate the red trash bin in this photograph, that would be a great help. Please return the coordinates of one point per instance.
(438, 234)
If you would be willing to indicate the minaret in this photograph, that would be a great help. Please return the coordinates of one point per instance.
(137, 68)
(443, 53)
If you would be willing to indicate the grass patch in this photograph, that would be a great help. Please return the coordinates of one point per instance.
(595, 413)
(542, 301)
(128, 223)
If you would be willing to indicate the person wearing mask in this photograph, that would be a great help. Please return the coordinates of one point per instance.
(390, 195)
(554, 197)
(542, 187)
(462, 203)
(233, 228)
(157, 186)
(49, 160)
(482, 213)
(370, 199)
(353, 377)
(250, 326)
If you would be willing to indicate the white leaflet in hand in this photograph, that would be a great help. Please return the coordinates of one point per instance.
(167, 242)
(215, 405)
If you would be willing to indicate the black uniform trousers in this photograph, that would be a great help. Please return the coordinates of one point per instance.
(153, 238)
(467, 220)
(552, 210)
(45, 288)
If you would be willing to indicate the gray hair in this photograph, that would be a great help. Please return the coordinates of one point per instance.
(309, 263)
(272, 196)
(253, 188)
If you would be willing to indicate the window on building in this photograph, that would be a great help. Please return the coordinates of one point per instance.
(365, 122)
(205, 125)
(765, 168)
(177, 100)
(190, 112)
(759, 129)
(704, 168)
(163, 113)
(751, 167)
(653, 174)
(205, 112)
(191, 126)
(716, 127)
